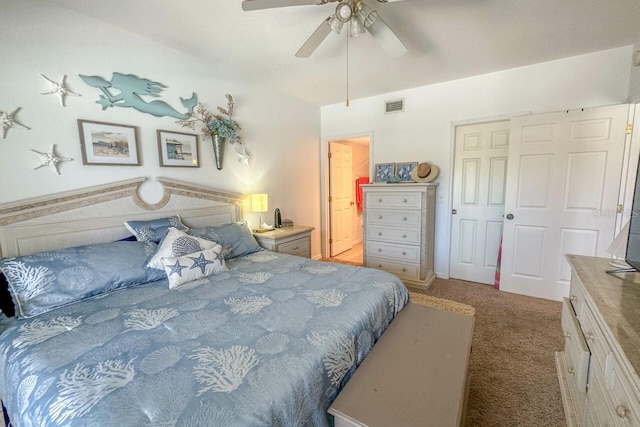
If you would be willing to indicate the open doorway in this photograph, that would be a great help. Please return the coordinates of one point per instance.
(348, 168)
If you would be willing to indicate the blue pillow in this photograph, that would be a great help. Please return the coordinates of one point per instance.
(236, 238)
(43, 281)
(155, 229)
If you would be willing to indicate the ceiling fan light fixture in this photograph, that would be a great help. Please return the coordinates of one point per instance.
(367, 15)
(356, 27)
(335, 24)
(344, 12)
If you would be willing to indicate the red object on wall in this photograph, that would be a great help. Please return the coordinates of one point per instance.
(360, 181)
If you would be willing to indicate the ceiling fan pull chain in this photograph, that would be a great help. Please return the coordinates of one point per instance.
(347, 68)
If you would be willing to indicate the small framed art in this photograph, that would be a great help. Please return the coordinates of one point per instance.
(384, 171)
(178, 149)
(108, 143)
(403, 170)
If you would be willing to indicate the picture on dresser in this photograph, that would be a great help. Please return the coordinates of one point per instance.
(384, 171)
(403, 170)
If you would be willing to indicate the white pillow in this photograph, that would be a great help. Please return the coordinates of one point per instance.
(194, 266)
(176, 244)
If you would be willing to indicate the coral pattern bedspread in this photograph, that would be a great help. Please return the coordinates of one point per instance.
(268, 343)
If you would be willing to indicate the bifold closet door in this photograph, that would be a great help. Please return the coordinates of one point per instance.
(563, 180)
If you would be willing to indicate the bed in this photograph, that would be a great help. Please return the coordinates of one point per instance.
(267, 339)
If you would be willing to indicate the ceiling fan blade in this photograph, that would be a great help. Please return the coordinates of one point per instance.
(315, 39)
(386, 38)
(248, 5)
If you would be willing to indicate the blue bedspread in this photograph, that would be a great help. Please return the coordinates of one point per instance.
(268, 343)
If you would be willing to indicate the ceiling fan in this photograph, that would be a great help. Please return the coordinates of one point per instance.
(359, 17)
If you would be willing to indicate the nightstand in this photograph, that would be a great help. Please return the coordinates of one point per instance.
(294, 240)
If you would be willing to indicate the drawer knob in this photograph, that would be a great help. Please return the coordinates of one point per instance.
(571, 371)
(404, 218)
(404, 252)
(379, 216)
(567, 335)
(574, 298)
(622, 411)
(404, 236)
(295, 248)
(590, 336)
(379, 233)
(404, 200)
(404, 270)
(379, 250)
(379, 200)
(379, 265)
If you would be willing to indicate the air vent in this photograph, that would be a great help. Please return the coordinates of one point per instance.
(395, 106)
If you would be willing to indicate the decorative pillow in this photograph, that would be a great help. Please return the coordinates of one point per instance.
(154, 230)
(194, 266)
(6, 303)
(176, 244)
(43, 281)
(236, 238)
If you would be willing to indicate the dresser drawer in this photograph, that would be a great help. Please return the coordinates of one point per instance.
(408, 270)
(576, 296)
(393, 200)
(299, 247)
(576, 354)
(384, 217)
(596, 412)
(595, 338)
(399, 252)
(620, 396)
(397, 235)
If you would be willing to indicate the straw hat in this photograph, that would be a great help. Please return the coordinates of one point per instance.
(424, 172)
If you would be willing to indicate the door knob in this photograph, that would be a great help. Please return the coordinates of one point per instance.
(510, 216)
(454, 211)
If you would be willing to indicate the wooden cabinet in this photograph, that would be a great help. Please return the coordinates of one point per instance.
(598, 367)
(399, 222)
(294, 240)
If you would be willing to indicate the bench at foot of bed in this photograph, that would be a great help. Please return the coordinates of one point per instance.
(416, 375)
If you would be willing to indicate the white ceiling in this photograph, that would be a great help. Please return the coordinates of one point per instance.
(447, 39)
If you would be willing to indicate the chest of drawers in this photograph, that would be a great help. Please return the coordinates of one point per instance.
(598, 367)
(399, 222)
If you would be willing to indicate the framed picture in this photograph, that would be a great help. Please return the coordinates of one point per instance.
(403, 170)
(178, 149)
(384, 171)
(108, 143)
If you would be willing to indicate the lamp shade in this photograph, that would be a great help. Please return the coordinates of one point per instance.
(618, 247)
(259, 202)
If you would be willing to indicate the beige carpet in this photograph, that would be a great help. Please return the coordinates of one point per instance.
(513, 376)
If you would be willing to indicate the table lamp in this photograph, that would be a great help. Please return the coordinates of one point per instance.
(260, 203)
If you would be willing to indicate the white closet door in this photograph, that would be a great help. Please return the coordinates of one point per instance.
(562, 192)
(480, 172)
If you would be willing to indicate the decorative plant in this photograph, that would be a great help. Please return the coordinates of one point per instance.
(215, 124)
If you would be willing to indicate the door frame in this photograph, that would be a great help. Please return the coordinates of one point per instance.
(454, 124)
(324, 182)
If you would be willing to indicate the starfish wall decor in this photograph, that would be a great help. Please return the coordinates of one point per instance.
(50, 159)
(58, 89)
(243, 156)
(8, 121)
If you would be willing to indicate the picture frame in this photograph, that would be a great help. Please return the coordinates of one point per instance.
(384, 171)
(108, 143)
(403, 170)
(178, 149)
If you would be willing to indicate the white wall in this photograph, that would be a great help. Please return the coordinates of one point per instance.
(39, 37)
(634, 81)
(424, 132)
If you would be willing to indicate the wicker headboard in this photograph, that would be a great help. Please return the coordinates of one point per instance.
(96, 214)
